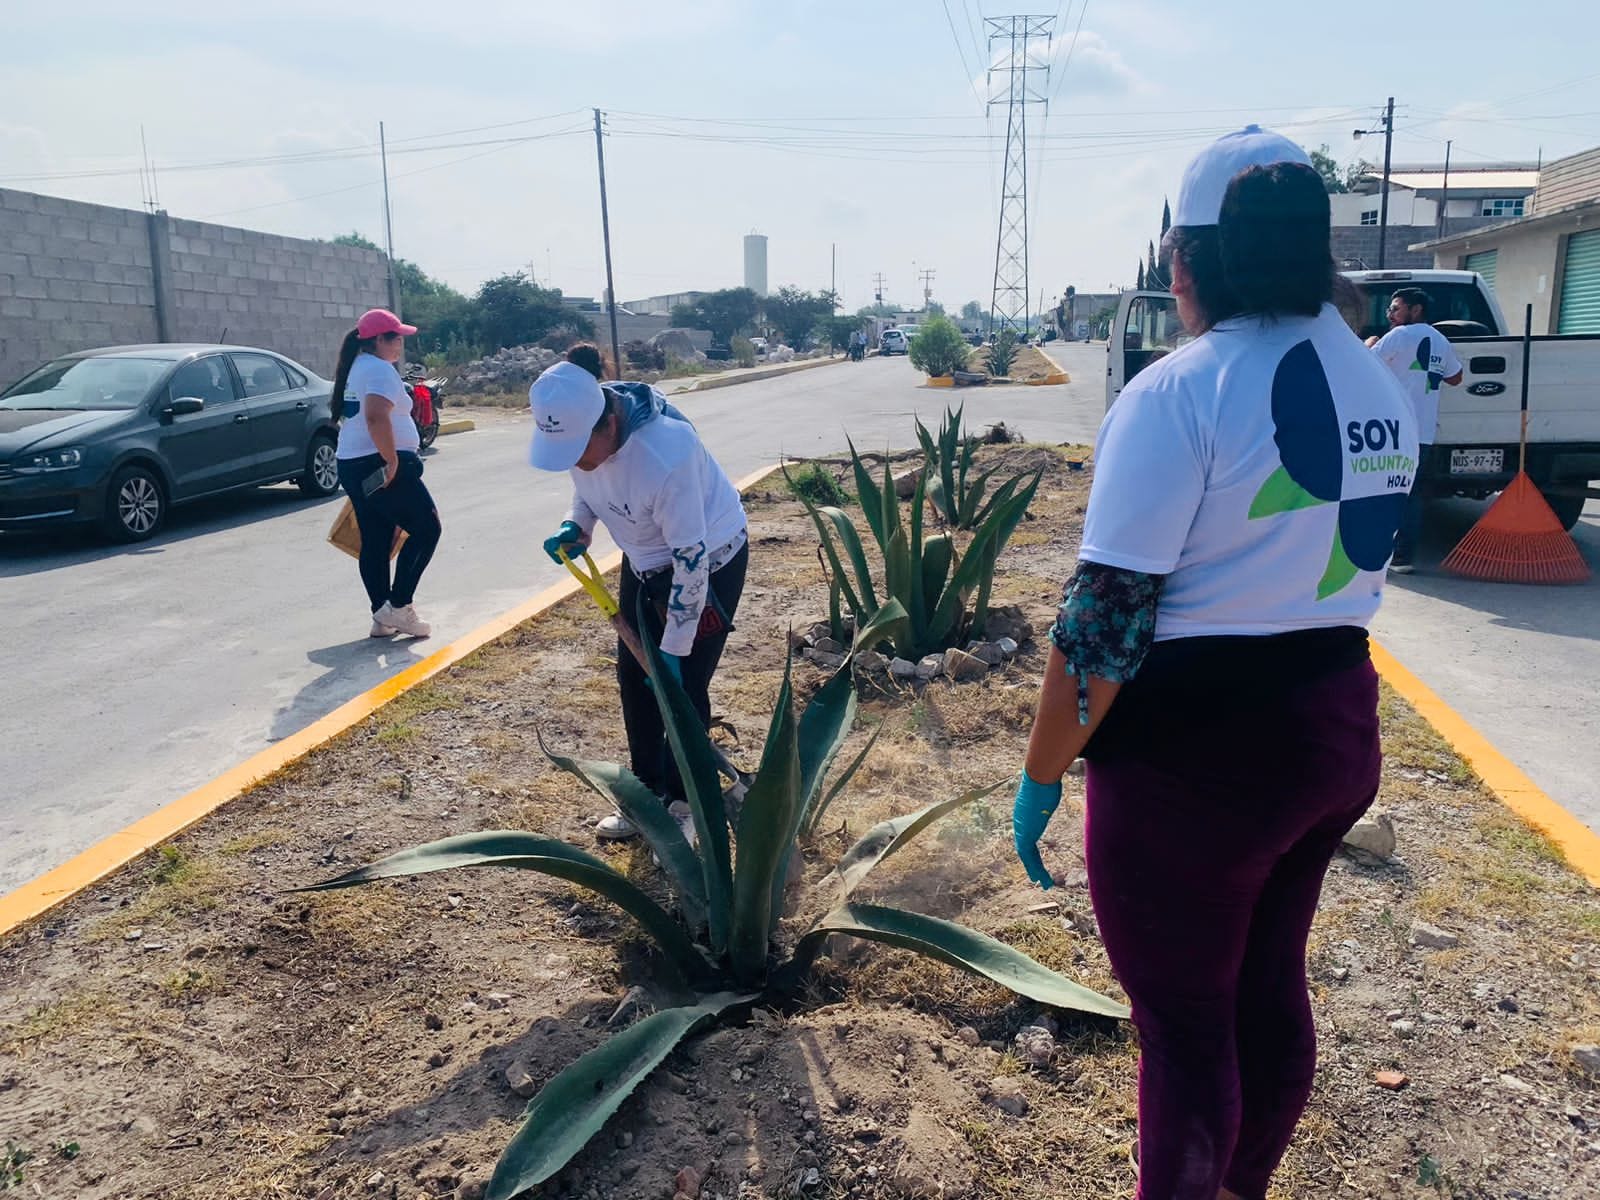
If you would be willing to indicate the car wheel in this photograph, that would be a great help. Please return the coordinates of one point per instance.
(136, 507)
(321, 476)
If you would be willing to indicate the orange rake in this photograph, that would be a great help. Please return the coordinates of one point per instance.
(1520, 538)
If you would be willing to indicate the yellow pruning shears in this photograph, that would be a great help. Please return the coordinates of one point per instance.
(588, 576)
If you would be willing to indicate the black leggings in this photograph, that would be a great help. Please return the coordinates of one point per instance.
(404, 504)
(647, 736)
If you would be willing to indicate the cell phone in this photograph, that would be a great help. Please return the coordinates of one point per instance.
(373, 482)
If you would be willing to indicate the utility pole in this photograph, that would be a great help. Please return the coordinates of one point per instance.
(1008, 306)
(833, 275)
(927, 286)
(605, 229)
(877, 284)
(1387, 121)
(388, 223)
(1444, 198)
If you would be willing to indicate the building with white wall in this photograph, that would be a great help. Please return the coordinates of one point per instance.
(1548, 256)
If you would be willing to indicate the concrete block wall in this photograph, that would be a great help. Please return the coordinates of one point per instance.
(291, 295)
(74, 276)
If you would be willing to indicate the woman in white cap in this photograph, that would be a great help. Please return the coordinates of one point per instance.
(638, 465)
(1210, 663)
(380, 470)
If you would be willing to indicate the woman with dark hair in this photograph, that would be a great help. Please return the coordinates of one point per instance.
(638, 464)
(1210, 664)
(380, 470)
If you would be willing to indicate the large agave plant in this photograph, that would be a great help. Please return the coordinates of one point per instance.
(717, 949)
(927, 577)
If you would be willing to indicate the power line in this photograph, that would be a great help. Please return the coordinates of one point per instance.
(966, 71)
(1009, 298)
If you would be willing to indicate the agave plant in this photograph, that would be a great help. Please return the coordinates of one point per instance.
(954, 490)
(717, 949)
(929, 579)
(1002, 353)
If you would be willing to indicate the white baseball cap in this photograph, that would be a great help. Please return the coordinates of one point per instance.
(1206, 178)
(566, 401)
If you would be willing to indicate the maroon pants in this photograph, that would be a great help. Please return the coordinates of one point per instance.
(1206, 855)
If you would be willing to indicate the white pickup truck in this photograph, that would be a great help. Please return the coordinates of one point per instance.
(1475, 452)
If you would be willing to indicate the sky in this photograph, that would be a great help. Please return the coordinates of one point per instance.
(854, 135)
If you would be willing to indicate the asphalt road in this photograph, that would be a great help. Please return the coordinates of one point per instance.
(137, 673)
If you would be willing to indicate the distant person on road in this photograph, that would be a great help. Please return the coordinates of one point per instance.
(1210, 664)
(1421, 358)
(380, 471)
(639, 465)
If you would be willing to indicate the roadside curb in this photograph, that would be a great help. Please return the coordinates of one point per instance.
(706, 384)
(459, 425)
(1509, 783)
(38, 896)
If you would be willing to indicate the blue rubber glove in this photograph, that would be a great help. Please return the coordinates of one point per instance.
(1035, 804)
(570, 536)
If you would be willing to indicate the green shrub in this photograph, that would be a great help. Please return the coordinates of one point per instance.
(744, 351)
(1002, 353)
(815, 484)
(938, 347)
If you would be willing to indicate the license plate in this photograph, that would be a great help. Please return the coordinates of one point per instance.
(1477, 462)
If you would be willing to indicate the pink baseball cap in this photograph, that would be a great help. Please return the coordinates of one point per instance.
(380, 320)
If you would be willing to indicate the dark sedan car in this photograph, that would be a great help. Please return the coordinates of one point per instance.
(118, 436)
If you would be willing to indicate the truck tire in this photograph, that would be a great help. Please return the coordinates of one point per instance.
(1567, 508)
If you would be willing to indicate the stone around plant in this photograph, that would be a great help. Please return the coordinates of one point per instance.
(902, 668)
(963, 667)
(1372, 836)
(930, 667)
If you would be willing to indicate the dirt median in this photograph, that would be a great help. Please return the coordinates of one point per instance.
(187, 1030)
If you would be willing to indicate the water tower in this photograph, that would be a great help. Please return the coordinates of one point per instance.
(755, 263)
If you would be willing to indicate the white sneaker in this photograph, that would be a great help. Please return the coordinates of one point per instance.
(402, 620)
(684, 816)
(379, 629)
(615, 828)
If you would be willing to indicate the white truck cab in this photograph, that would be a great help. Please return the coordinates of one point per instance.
(1475, 450)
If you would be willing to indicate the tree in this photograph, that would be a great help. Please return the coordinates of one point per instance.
(972, 311)
(1139, 282)
(511, 310)
(938, 347)
(933, 308)
(1166, 218)
(794, 313)
(834, 332)
(878, 310)
(724, 313)
(1328, 167)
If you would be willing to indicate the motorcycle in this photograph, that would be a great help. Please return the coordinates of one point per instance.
(427, 398)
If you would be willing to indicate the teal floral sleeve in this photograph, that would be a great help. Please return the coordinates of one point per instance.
(1105, 625)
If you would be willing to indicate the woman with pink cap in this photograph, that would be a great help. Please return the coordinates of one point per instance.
(1210, 663)
(380, 470)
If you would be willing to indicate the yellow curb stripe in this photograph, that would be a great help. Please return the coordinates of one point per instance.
(110, 854)
(1505, 779)
(459, 425)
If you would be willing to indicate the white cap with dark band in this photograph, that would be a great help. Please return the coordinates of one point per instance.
(1206, 178)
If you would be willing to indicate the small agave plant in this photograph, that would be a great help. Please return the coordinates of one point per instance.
(717, 950)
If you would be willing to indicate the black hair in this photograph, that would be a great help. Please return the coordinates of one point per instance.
(352, 345)
(1413, 296)
(1269, 252)
(592, 359)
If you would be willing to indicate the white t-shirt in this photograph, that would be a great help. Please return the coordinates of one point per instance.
(1263, 469)
(371, 376)
(661, 491)
(1421, 358)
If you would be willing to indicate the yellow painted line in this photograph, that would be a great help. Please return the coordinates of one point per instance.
(1053, 378)
(1505, 779)
(110, 854)
(460, 425)
(941, 381)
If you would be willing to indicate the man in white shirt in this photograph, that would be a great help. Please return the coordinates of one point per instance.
(638, 465)
(1421, 359)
